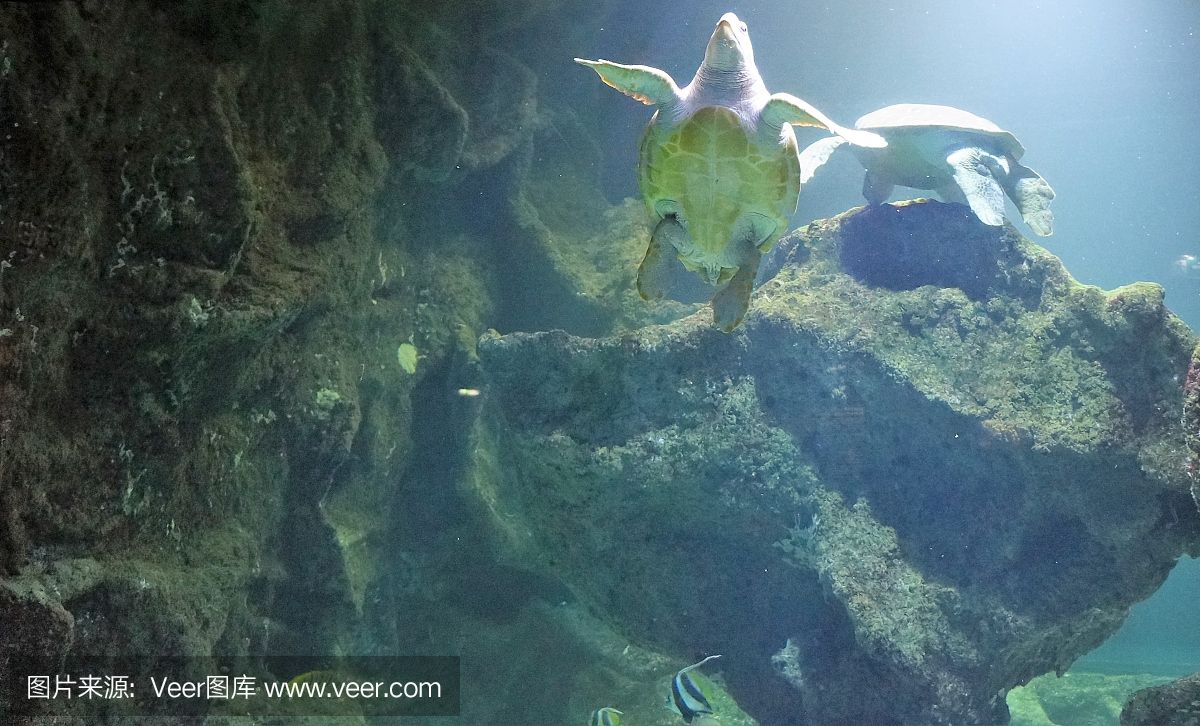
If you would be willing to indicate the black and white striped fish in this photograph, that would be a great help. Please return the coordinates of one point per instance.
(687, 698)
(606, 716)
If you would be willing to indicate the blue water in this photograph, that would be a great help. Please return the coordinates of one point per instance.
(1161, 635)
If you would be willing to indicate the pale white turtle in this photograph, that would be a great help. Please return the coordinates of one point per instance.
(963, 157)
(718, 167)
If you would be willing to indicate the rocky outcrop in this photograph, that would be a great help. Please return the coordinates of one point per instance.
(930, 467)
(1075, 698)
(1191, 422)
(222, 219)
(220, 222)
(1175, 704)
(202, 416)
(578, 254)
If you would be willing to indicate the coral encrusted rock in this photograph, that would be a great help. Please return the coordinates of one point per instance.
(929, 467)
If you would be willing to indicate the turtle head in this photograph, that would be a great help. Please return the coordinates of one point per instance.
(729, 48)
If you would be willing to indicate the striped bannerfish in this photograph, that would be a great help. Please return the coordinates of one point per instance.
(686, 697)
(606, 716)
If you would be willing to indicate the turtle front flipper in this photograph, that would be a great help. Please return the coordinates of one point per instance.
(816, 154)
(648, 85)
(974, 173)
(658, 268)
(1032, 195)
(730, 304)
(786, 108)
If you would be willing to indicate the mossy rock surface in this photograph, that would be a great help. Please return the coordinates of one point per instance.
(1172, 704)
(930, 466)
(1075, 698)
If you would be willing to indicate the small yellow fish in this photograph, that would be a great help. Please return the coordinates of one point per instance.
(468, 392)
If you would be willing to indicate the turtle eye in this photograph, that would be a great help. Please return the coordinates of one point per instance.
(745, 29)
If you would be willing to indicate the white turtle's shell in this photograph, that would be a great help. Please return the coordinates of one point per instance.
(913, 117)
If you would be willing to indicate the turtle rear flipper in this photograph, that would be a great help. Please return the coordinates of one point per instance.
(732, 301)
(951, 193)
(875, 189)
(1032, 195)
(661, 264)
(974, 176)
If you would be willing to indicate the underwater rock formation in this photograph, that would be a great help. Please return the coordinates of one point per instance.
(188, 248)
(221, 220)
(224, 220)
(580, 253)
(1191, 422)
(1174, 704)
(931, 467)
(1075, 698)
(207, 271)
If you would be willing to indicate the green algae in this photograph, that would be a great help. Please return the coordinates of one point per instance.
(861, 560)
(1075, 698)
(1060, 347)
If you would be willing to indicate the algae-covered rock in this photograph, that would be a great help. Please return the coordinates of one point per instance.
(1075, 698)
(1174, 704)
(199, 387)
(447, 102)
(577, 254)
(931, 467)
(1191, 422)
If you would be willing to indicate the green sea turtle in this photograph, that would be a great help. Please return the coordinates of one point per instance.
(718, 167)
(963, 157)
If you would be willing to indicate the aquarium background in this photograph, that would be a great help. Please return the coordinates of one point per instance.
(319, 336)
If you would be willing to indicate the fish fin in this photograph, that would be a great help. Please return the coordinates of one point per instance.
(694, 666)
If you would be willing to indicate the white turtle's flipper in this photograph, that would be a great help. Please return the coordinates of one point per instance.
(816, 154)
(648, 85)
(730, 304)
(1032, 195)
(973, 172)
(951, 193)
(657, 271)
(875, 190)
(786, 108)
